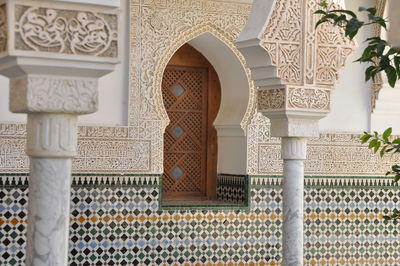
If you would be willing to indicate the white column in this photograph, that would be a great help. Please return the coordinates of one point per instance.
(53, 71)
(51, 144)
(294, 152)
(52, 104)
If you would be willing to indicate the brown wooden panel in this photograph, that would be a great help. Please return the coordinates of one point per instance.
(191, 93)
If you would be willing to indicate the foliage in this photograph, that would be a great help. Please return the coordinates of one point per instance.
(384, 144)
(382, 58)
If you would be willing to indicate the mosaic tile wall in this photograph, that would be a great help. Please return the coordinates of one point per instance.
(118, 223)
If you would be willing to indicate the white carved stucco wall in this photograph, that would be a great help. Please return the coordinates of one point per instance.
(158, 29)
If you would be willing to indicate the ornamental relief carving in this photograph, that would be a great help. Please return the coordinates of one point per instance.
(303, 98)
(271, 99)
(304, 55)
(55, 95)
(66, 31)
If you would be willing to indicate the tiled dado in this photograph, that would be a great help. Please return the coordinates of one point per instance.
(116, 220)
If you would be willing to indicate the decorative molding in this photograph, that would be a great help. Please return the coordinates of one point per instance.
(34, 94)
(63, 31)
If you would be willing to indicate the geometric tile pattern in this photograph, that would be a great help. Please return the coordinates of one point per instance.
(232, 188)
(117, 221)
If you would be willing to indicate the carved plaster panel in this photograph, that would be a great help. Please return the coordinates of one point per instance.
(47, 29)
(329, 155)
(304, 56)
(304, 98)
(65, 31)
(34, 94)
(271, 99)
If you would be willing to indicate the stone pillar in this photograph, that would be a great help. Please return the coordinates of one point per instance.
(52, 104)
(293, 154)
(294, 91)
(51, 145)
(54, 52)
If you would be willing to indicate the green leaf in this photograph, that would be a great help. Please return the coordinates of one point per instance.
(322, 20)
(395, 168)
(383, 150)
(396, 60)
(372, 10)
(339, 19)
(365, 138)
(396, 178)
(368, 72)
(322, 12)
(323, 4)
(372, 143)
(396, 141)
(348, 12)
(387, 134)
(391, 75)
(352, 27)
(377, 146)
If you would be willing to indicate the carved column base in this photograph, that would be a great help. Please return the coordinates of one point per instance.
(293, 155)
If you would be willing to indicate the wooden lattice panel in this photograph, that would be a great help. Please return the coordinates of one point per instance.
(185, 141)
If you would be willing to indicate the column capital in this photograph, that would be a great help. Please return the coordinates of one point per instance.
(294, 66)
(53, 94)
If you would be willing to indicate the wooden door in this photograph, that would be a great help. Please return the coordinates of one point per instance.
(191, 95)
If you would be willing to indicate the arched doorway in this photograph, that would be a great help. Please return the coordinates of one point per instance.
(192, 94)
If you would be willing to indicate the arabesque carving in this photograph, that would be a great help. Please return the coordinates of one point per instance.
(66, 31)
(303, 98)
(53, 95)
(271, 99)
(304, 56)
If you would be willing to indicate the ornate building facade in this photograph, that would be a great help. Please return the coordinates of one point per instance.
(55, 54)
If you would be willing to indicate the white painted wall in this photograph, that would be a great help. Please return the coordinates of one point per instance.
(113, 88)
(351, 99)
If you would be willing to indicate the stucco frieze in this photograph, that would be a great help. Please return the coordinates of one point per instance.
(49, 28)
